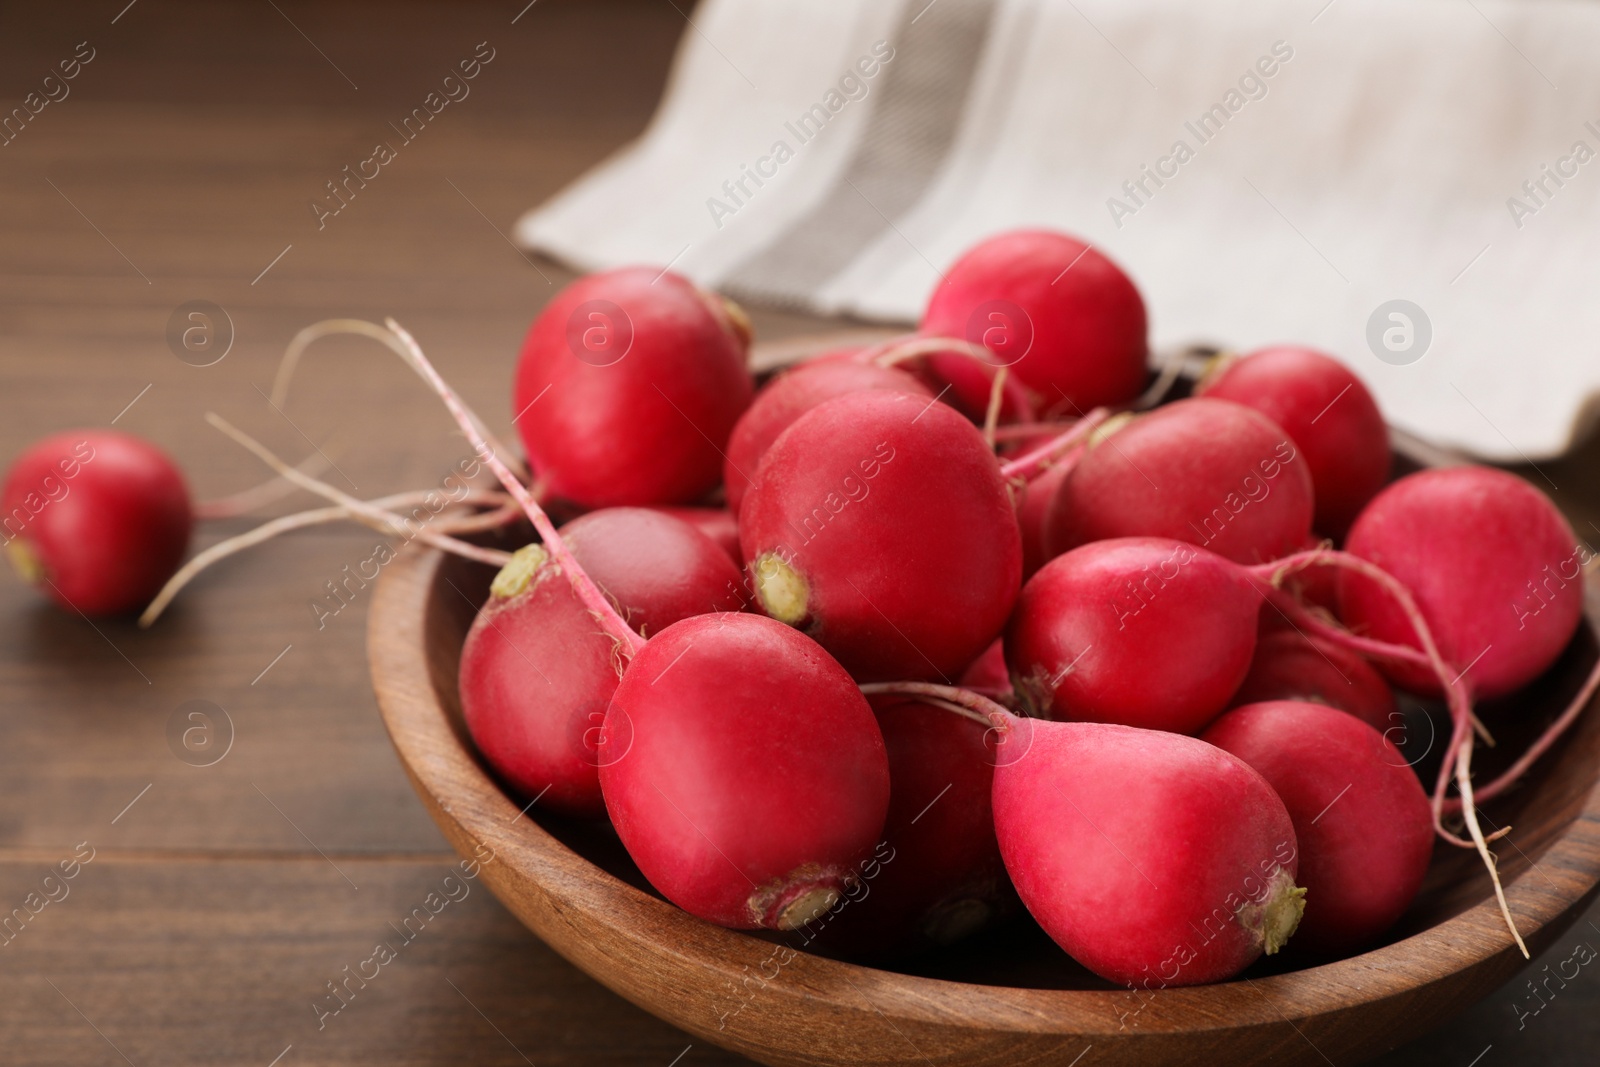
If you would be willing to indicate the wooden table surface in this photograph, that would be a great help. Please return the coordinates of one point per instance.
(221, 900)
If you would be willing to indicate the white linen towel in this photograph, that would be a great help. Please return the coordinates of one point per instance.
(1336, 156)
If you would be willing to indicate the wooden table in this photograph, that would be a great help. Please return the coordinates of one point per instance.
(221, 900)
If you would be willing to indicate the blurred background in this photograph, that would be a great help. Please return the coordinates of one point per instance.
(199, 153)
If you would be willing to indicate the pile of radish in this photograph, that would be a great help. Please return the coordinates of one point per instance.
(917, 636)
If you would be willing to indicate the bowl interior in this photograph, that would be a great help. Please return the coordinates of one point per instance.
(1019, 955)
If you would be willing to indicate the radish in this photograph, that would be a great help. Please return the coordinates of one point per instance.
(656, 569)
(988, 673)
(1326, 411)
(1063, 317)
(719, 524)
(744, 771)
(1360, 815)
(1152, 858)
(98, 519)
(535, 681)
(1210, 472)
(1034, 499)
(940, 877)
(1146, 632)
(1494, 567)
(879, 523)
(1292, 665)
(788, 397)
(646, 378)
(963, 374)
(759, 825)
(536, 675)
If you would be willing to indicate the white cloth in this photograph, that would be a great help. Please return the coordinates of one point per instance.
(1383, 159)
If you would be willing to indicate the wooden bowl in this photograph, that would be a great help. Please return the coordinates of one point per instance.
(1011, 998)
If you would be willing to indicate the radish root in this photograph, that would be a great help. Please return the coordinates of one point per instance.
(245, 501)
(376, 517)
(1029, 464)
(965, 702)
(628, 642)
(1458, 760)
(314, 517)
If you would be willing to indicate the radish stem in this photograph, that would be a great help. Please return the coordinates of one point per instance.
(247, 500)
(1458, 759)
(268, 530)
(582, 584)
(1028, 464)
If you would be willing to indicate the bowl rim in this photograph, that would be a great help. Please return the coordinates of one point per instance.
(1470, 948)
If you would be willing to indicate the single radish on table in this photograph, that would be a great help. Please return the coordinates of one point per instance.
(1326, 410)
(790, 396)
(1152, 858)
(879, 524)
(1495, 568)
(1360, 815)
(1140, 631)
(98, 519)
(743, 771)
(940, 878)
(537, 674)
(1291, 665)
(1210, 472)
(645, 376)
(1063, 317)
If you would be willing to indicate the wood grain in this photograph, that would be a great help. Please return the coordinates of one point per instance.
(193, 142)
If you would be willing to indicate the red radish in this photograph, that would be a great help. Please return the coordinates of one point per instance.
(1291, 665)
(536, 677)
(744, 771)
(1210, 472)
(792, 797)
(988, 673)
(939, 877)
(719, 524)
(536, 674)
(656, 569)
(962, 374)
(1033, 508)
(97, 518)
(790, 396)
(879, 524)
(1359, 814)
(1065, 318)
(1139, 631)
(1152, 858)
(1326, 410)
(646, 377)
(1494, 567)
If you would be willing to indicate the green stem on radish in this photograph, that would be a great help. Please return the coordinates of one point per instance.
(587, 592)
